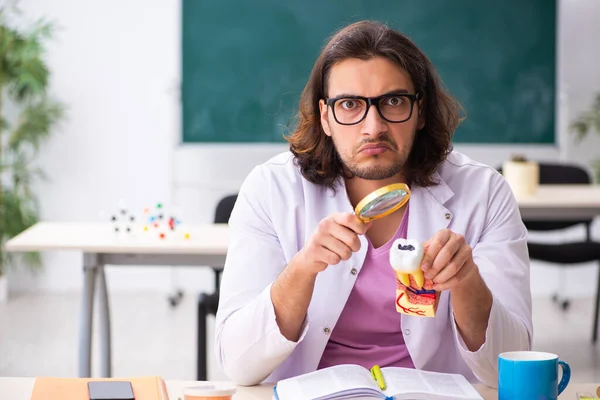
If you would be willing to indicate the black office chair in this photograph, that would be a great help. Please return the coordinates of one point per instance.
(208, 303)
(572, 253)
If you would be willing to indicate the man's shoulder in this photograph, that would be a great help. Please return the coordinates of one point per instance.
(460, 171)
(281, 165)
(281, 170)
(284, 160)
(458, 163)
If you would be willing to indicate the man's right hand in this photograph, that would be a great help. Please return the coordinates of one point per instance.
(334, 240)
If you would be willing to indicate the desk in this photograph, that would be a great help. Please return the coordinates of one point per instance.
(101, 246)
(21, 388)
(208, 246)
(561, 202)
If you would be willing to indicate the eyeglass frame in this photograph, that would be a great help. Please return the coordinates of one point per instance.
(373, 101)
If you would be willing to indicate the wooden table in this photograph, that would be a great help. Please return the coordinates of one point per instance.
(21, 388)
(100, 246)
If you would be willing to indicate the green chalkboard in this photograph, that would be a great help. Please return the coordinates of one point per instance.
(244, 63)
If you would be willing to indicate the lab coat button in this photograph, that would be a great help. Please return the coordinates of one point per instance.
(407, 332)
(448, 215)
(326, 330)
(354, 271)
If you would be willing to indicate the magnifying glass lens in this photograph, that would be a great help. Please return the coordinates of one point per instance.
(383, 202)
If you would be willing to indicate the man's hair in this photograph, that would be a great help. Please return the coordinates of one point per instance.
(314, 151)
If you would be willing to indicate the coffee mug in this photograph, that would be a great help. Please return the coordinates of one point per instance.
(531, 375)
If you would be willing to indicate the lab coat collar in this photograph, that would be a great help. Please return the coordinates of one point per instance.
(428, 213)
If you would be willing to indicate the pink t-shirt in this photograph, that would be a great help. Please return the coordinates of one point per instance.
(368, 331)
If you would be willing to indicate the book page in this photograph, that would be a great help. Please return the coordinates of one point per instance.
(324, 382)
(445, 386)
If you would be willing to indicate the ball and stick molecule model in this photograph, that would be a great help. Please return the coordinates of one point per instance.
(123, 221)
(159, 220)
(154, 222)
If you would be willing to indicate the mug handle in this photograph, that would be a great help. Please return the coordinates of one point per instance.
(566, 376)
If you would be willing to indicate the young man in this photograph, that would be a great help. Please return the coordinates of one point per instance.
(307, 285)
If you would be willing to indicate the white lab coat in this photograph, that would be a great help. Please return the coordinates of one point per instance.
(277, 211)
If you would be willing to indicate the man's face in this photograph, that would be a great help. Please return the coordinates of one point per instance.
(374, 148)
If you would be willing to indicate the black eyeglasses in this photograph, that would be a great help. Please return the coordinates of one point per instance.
(393, 107)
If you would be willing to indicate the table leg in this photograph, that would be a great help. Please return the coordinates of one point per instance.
(86, 318)
(104, 318)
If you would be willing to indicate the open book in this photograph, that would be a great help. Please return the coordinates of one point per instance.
(354, 381)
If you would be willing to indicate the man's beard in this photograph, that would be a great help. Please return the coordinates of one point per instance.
(374, 172)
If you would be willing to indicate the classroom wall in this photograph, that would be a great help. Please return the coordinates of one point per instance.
(117, 66)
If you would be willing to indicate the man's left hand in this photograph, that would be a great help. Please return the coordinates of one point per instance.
(448, 261)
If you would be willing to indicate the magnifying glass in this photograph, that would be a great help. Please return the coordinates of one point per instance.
(382, 202)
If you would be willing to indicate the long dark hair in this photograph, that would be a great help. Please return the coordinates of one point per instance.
(314, 150)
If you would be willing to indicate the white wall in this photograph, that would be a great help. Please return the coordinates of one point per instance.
(116, 65)
(118, 69)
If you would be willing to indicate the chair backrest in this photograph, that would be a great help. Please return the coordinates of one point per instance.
(224, 208)
(564, 174)
(559, 174)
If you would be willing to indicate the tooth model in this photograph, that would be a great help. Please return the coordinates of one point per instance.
(405, 258)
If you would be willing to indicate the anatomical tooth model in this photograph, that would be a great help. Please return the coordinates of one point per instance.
(405, 257)
(414, 294)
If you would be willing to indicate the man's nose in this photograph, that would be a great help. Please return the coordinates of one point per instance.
(373, 124)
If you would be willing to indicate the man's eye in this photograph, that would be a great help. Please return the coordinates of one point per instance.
(348, 104)
(394, 101)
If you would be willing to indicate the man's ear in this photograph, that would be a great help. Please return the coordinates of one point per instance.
(421, 111)
(323, 108)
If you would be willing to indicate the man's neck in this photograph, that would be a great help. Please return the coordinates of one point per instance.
(358, 188)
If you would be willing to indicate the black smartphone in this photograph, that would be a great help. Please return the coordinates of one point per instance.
(110, 390)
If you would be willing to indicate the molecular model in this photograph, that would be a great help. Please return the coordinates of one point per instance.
(155, 223)
(123, 221)
(162, 223)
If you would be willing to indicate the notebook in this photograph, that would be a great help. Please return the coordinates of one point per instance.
(354, 381)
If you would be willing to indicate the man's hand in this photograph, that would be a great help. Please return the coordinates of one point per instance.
(334, 240)
(448, 261)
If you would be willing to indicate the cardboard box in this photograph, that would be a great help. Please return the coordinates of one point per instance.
(415, 302)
